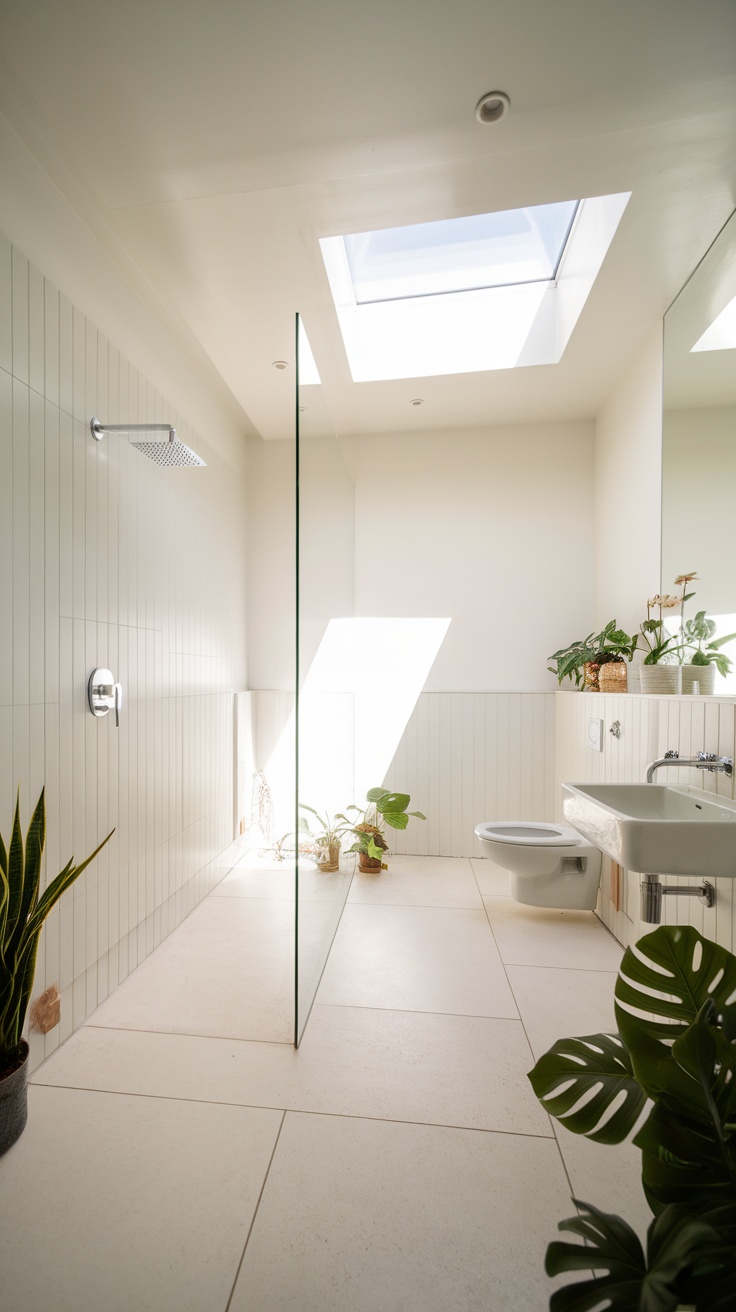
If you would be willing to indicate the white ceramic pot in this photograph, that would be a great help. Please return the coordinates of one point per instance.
(661, 679)
(703, 675)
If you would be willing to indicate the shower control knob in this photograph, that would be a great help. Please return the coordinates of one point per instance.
(104, 694)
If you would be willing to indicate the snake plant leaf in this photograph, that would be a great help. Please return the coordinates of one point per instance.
(667, 977)
(629, 1282)
(596, 1067)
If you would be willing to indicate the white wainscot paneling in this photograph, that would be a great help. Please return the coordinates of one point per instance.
(468, 757)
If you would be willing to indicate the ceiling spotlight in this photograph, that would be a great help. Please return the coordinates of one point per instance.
(492, 107)
(417, 401)
(280, 364)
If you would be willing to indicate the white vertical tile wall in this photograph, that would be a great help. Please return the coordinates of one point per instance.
(107, 559)
(649, 727)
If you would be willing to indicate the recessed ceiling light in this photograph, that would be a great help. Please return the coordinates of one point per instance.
(418, 400)
(491, 107)
(280, 364)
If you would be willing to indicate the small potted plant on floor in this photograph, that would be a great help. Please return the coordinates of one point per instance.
(22, 913)
(586, 660)
(384, 808)
(329, 838)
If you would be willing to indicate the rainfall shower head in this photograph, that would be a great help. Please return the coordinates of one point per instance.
(165, 451)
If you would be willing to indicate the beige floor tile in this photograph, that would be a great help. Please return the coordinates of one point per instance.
(359, 1215)
(416, 959)
(228, 970)
(419, 881)
(122, 1203)
(538, 936)
(492, 880)
(555, 1003)
(447, 1070)
(608, 1176)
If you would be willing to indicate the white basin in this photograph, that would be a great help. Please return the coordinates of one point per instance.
(656, 828)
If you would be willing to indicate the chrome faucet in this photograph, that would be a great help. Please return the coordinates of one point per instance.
(703, 761)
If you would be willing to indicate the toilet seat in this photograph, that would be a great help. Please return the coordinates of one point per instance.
(529, 833)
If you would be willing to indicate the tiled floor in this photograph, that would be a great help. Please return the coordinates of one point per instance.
(174, 1161)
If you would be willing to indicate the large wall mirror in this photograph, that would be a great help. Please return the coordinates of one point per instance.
(699, 439)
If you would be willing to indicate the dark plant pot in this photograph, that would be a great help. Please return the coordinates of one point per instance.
(14, 1102)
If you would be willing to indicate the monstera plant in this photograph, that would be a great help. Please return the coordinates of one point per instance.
(671, 1069)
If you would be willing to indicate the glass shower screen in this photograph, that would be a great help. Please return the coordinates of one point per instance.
(324, 696)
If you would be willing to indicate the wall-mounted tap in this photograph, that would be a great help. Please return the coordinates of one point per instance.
(703, 761)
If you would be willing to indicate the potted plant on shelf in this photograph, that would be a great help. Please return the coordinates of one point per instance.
(328, 841)
(660, 671)
(384, 808)
(701, 650)
(22, 913)
(675, 1060)
(587, 661)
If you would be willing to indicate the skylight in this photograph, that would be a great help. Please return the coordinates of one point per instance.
(487, 291)
(459, 255)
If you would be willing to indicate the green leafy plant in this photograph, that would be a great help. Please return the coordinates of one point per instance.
(693, 643)
(384, 808)
(22, 913)
(611, 644)
(698, 647)
(674, 1062)
(332, 829)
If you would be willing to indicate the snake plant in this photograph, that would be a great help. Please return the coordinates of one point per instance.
(673, 1064)
(22, 913)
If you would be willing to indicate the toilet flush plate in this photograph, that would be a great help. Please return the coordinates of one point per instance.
(595, 735)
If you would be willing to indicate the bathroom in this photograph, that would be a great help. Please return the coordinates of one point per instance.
(513, 511)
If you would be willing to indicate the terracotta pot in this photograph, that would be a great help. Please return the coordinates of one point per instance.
(14, 1102)
(369, 864)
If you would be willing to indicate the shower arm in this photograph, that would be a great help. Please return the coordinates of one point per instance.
(97, 429)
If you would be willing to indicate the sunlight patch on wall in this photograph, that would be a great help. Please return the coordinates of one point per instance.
(374, 668)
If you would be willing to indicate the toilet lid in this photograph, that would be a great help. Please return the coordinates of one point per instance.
(531, 833)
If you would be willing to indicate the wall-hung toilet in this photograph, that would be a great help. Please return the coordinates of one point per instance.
(551, 865)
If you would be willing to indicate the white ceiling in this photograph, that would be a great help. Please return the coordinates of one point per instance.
(220, 140)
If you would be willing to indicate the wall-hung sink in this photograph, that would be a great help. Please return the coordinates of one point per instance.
(656, 828)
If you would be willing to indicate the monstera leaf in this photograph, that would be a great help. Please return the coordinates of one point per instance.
(597, 1068)
(629, 1282)
(663, 983)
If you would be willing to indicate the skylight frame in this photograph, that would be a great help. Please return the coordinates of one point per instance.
(468, 287)
(496, 328)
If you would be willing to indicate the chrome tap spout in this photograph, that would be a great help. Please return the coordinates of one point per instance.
(703, 761)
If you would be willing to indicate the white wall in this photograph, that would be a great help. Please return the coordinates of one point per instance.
(108, 559)
(491, 529)
(628, 480)
(698, 481)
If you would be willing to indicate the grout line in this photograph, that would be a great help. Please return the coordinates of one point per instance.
(184, 1034)
(303, 1111)
(255, 1214)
